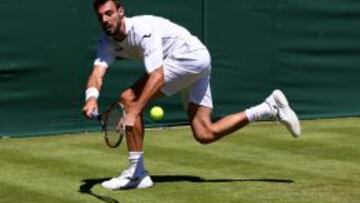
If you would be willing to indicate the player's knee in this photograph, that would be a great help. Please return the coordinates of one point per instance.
(127, 97)
(204, 136)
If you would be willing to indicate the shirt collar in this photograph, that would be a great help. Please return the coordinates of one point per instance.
(128, 24)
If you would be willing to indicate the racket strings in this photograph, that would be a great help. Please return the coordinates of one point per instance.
(114, 125)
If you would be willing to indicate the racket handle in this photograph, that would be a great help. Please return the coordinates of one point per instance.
(95, 115)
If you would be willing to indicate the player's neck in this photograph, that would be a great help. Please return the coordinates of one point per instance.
(121, 34)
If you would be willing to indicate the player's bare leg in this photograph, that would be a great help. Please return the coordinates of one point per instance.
(135, 134)
(205, 131)
(135, 176)
(275, 107)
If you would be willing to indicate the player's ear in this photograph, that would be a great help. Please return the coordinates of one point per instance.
(121, 11)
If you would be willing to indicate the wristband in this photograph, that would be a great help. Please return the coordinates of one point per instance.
(91, 92)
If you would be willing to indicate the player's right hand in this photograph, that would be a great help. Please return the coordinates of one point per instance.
(90, 107)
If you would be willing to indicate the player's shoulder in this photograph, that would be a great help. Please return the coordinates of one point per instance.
(140, 19)
(143, 24)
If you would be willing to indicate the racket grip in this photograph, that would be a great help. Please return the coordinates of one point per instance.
(95, 115)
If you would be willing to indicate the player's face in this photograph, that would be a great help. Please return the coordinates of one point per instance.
(110, 17)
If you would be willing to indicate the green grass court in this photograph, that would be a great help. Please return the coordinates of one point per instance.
(261, 163)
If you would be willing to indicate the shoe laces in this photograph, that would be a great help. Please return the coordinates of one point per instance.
(276, 111)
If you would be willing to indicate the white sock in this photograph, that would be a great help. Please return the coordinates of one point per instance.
(136, 162)
(260, 112)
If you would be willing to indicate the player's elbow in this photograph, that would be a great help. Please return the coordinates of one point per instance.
(157, 76)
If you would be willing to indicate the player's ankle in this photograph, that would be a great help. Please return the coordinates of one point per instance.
(259, 112)
(136, 162)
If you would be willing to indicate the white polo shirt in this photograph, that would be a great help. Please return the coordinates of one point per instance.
(159, 42)
(149, 38)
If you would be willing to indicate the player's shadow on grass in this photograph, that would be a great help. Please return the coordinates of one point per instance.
(196, 179)
(88, 184)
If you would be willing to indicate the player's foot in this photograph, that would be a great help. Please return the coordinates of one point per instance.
(127, 180)
(283, 112)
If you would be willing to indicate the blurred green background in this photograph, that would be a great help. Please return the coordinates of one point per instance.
(309, 49)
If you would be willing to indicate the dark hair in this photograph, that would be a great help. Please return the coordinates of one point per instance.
(97, 3)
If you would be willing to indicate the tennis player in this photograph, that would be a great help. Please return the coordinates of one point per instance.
(175, 62)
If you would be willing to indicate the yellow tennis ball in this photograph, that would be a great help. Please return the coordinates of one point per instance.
(156, 113)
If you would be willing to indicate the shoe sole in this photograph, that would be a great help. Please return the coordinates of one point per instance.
(292, 122)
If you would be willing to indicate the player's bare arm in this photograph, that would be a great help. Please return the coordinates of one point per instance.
(93, 90)
(152, 87)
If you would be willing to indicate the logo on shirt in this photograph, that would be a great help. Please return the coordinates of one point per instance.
(147, 36)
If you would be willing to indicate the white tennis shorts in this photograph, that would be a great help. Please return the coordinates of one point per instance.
(189, 73)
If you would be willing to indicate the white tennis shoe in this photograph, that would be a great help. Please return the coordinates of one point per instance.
(283, 112)
(127, 180)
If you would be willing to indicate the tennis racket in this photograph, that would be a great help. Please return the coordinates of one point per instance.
(112, 124)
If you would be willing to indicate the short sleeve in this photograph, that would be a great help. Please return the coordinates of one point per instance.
(153, 51)
(105, 53)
